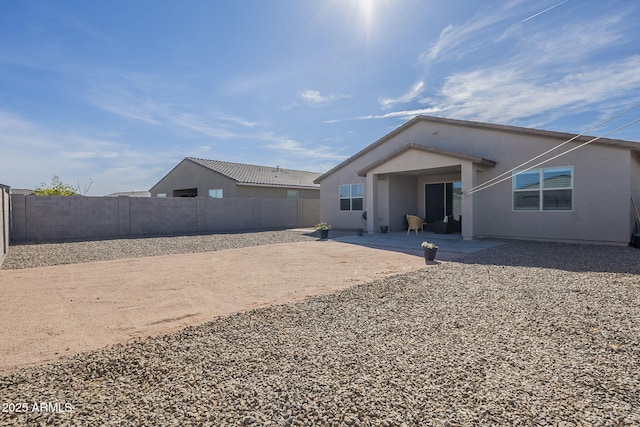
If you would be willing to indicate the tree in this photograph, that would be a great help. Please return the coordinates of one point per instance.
(57, 188)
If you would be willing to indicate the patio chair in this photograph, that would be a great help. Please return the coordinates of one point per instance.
(415, 223)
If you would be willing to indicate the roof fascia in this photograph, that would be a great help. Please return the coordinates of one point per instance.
(297, 187)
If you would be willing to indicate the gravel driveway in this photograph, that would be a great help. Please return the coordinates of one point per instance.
(521, 334)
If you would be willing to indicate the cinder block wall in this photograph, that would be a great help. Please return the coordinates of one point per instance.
(4, 221)
(39, 218)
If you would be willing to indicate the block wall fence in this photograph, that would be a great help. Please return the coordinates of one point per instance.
(4, 221)
(46, 218)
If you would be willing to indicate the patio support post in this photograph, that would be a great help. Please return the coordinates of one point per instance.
(371, 197)
(469, 175)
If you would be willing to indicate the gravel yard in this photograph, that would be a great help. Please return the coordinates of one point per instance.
(40, 255)
(521, 334)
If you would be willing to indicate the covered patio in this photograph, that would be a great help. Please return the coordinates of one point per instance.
(423, 181)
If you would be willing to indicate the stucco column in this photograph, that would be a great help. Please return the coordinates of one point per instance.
(371, 201)
(469, 174)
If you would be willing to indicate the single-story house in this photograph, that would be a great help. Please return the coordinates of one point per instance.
(435, 167)
(142, 193)
(194, 177)
(23, 191)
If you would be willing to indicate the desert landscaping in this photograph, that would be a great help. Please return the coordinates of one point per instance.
(520, 334)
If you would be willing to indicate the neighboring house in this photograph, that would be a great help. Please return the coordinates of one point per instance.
(23, 191)
(130, 194)
(212, 178)
(428, 165)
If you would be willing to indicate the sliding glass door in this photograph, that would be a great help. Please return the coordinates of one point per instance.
(443, 199)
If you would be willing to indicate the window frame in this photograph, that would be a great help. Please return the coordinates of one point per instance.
(540, 188)
(351, 197)
(216, 190)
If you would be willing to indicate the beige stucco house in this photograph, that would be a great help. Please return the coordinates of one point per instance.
(431, 166)
(194, 177)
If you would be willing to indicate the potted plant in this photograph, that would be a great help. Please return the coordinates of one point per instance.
(429, 250)
(324, 229)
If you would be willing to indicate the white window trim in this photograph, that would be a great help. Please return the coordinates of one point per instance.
(541, 190)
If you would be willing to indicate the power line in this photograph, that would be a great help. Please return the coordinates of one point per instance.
(487, 183)
(483, 187)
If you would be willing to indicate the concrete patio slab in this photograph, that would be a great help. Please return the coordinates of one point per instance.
(450, 246)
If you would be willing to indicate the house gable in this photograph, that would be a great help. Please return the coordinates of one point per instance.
(479, 128)
(418, 157)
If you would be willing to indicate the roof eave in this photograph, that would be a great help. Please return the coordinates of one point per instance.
(301, 187)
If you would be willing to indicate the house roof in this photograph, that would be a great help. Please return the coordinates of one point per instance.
(630, 145)
(427, 149)
(23, 191)
(142, 193)
(245, 174)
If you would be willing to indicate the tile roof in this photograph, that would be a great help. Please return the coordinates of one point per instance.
(24, 191)
(130, 194)
(260, 175)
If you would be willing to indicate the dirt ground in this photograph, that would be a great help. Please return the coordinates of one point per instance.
(50, 312)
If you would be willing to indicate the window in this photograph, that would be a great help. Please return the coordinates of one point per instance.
(548, 189)
(292, 194)
(351, 198)
(216, 193)
(162, 195)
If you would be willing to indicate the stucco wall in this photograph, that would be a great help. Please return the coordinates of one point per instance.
(600, 201)
(635, 187)
(188, 174)
(402, 200)
(330, 202)
(54, 218)
(601, 183)
(274, 192)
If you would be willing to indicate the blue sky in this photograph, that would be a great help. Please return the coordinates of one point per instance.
(118, 92)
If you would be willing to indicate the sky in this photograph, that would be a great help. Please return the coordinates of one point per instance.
(111, 95)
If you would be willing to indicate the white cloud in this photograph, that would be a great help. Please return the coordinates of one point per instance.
(315, 98)
(405, 114)
(504, 95)
(33, 153)
(465, 37)
(290, 146)
(143, 109)
(409, 96)
(238, 120)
